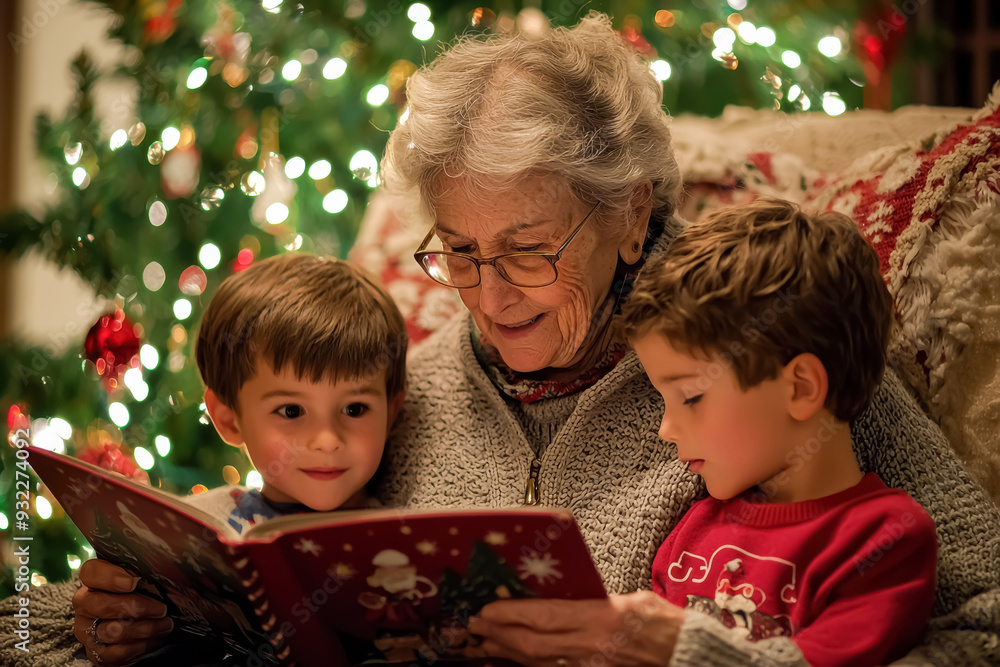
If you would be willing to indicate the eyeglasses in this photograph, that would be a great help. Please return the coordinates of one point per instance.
(521, 269)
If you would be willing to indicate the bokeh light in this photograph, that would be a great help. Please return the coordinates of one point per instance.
(661, 69)
(335, 201)
(791, 59)
(334, 68)
(143, 458)
(276, 213)
(197, 78)
(118, 414)
(209, 256)
(378, 95)
(319, 169)
(182, 309)
(765, 36)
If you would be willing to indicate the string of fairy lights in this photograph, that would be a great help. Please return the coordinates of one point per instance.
(271, 180)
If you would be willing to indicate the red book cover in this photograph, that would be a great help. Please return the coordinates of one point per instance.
(324, 588)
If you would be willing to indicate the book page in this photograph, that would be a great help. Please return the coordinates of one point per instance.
(295, 522)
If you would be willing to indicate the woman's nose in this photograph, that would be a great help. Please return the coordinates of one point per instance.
(495, 293)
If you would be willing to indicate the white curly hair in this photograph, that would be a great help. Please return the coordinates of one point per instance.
(577, 102)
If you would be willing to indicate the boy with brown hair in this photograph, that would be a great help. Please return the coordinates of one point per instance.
(304, 362)
(765, 329)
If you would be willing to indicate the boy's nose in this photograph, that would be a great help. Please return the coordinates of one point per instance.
(325, 440)
(667, 431)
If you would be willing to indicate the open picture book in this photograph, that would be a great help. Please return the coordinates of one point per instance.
(326, 588)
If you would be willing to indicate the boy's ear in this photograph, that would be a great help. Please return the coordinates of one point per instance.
(396, 406)
(808, 385)
(224, 418)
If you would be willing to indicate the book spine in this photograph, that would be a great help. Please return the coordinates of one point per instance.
(256, 593)
(299, 618)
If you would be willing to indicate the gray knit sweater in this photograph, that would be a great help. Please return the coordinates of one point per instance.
(459, 444)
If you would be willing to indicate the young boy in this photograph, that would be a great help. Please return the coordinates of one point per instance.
(764, 329)
(304, 361)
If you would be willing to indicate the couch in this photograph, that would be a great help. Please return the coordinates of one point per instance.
(923, 184)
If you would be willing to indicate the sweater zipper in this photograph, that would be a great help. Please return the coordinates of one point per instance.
(531, 488)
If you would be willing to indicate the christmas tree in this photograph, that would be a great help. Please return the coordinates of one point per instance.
(257, 129)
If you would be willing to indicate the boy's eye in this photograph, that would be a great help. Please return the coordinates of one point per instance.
(356, 410)
(692, 400)
(290, 411)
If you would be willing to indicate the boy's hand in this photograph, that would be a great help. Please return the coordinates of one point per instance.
(114, 624)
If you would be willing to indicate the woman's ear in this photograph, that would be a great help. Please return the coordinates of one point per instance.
(808, 385)
(640, 208)
(224, 418)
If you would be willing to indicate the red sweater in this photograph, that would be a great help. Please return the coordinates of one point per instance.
(849, 576)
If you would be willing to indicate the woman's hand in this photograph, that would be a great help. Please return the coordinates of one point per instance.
(634, 629)
(114, 624)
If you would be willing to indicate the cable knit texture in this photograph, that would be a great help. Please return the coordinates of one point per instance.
(458, 444)
(542, 420)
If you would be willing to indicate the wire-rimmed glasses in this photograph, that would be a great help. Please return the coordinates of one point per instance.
(521, 269)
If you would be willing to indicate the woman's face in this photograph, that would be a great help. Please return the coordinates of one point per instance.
(532, 327)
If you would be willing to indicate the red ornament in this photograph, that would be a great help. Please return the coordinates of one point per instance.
(159, 19)
(111, 456)
(243, 260)
(16, 417)
(631, 32)
(111, 345)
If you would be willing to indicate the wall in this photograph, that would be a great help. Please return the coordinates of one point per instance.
(46, 303)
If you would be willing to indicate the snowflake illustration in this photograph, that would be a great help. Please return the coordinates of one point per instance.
(78, 488)
(427, 547)
(540, 567)
(307, 546)
(495, 538)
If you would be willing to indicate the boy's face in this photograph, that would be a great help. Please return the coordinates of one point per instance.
(734, 439)
(315, 443)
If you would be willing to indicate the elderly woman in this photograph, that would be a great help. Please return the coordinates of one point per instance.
(545, 168)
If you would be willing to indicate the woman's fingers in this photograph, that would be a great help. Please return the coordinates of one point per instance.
(105, 576)
(120, 631)
(98, 604)
(625, 630)
(113, 655)
(118, 642)
(115, 625)
(541, 615)
(527, 647)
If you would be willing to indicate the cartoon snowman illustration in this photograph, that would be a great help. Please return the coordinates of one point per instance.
(402, 587)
